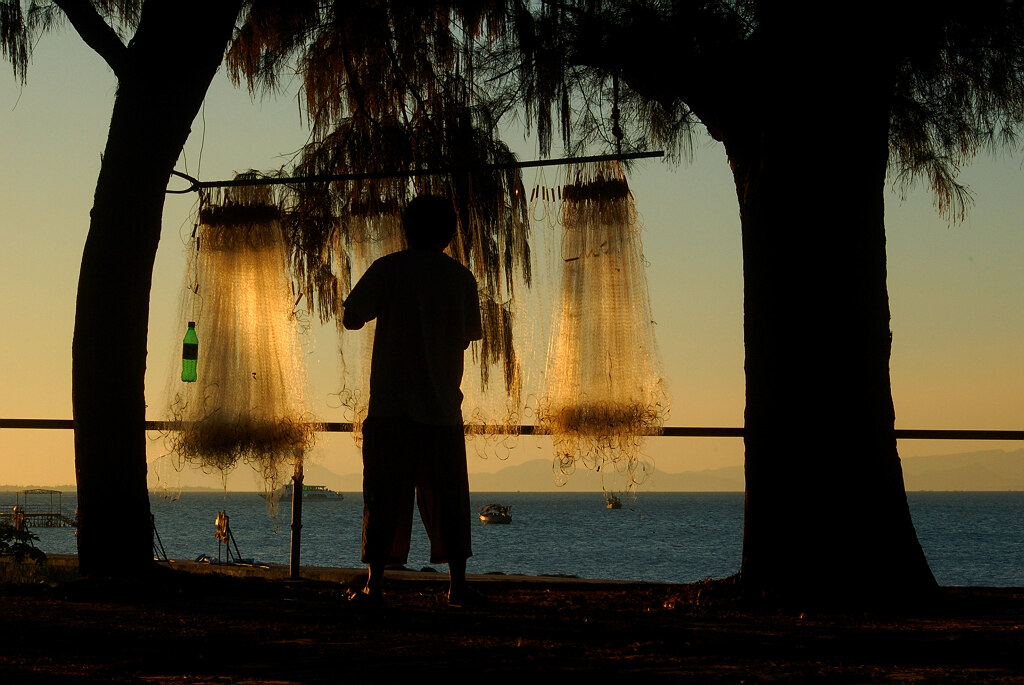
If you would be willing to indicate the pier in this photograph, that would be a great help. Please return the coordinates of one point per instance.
(35, 513)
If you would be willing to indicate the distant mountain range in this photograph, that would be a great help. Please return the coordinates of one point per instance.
(981, 471)
(970, 471)
(988, 470)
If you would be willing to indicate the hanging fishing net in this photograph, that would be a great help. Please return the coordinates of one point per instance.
(369, 227)
(492, 381)
(494, 241)
(372, 228)
(249, 403)
(339, 229)
(604, 388)
(588, 374)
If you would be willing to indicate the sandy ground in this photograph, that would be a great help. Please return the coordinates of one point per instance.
(217, 628)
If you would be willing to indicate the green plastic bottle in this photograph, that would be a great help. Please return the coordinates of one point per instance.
(189, 354)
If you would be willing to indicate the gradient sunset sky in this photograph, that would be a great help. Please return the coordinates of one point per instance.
(956, 291)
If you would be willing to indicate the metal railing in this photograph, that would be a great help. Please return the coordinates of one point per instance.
(667, 431)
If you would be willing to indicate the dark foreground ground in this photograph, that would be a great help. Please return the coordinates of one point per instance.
(211, 628)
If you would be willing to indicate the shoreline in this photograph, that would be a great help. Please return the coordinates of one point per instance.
(239, 624)
(63, 568)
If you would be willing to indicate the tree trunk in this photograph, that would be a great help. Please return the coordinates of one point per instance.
(162, 81)
(826, 510)
(802, 105)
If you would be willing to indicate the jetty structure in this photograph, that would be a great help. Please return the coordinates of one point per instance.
(38, 508)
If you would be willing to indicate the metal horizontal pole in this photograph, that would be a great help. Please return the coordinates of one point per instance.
(667, 431)
(58, 424)
(946, 434)
(405, 173)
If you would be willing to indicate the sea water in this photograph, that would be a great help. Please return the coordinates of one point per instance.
(969, 538)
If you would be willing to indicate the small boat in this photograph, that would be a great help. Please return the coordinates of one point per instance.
(495, 513)
(612, 501)
(310, 492)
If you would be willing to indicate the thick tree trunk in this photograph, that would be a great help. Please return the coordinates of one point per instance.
(826, 510)
(161, 84)
(802, 105)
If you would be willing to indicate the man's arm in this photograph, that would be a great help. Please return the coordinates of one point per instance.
(474, 328)
(351, 321)
(361, 304)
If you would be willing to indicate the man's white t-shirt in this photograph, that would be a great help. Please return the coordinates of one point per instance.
(427, 312)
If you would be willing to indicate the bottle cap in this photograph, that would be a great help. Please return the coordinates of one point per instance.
(191, 324)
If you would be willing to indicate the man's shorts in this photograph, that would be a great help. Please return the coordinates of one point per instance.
(403, 459)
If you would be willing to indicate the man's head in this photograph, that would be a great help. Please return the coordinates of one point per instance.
(429, 222)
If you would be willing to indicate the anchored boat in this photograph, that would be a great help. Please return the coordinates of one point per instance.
(495, 513)
(310, 492)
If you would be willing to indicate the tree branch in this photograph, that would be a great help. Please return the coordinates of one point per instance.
(96, 33)
(697, 58)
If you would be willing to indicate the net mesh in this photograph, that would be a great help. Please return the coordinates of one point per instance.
(372, 228)
(568, 333)
(492, 240)
(604, 387)
(250, 401)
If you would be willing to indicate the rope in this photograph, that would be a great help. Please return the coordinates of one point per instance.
(197, 185)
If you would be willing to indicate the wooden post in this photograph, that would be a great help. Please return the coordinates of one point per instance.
(296, 541)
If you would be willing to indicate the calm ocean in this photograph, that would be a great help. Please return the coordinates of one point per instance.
(969, 538)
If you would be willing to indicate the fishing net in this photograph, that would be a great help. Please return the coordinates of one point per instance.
(249, 403)
(370, 229)
(339, 229)
(493, 379)
(579, 361)
(604, 387)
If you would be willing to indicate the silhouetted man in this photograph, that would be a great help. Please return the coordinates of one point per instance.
(427, 311)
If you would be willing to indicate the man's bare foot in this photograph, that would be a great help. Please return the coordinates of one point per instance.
(465, 596)
(366, 598)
